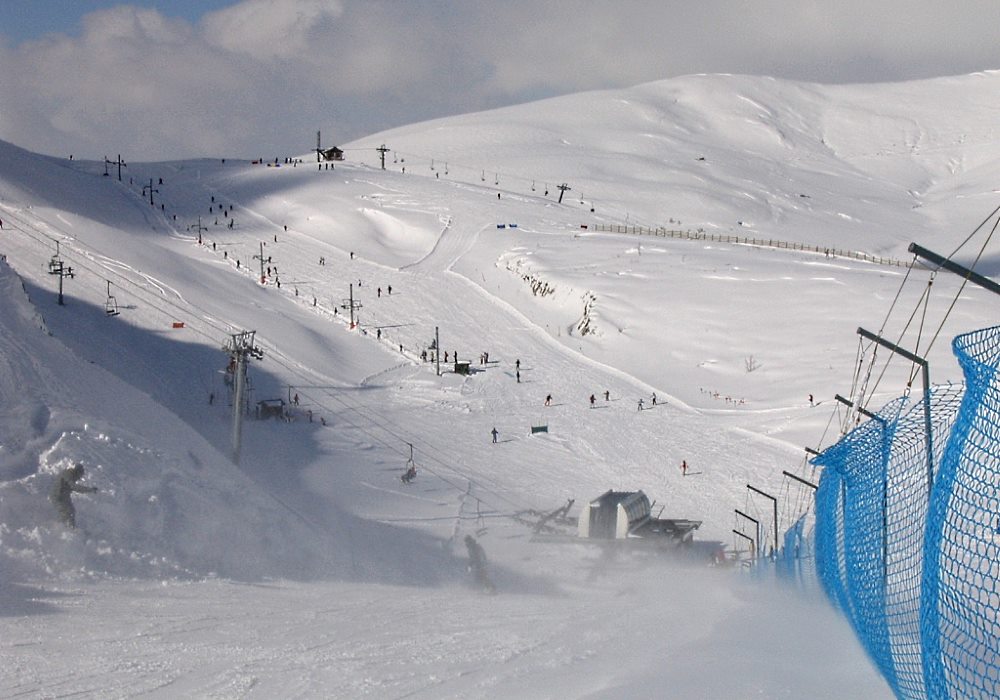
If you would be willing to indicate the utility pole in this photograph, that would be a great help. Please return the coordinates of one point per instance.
(120, 163)
(382, 150)
(350, 304)
(563, 188)
(319, 151)
(199, 228)
(57, 267)
(240, 348)
(151, 191)
(261, 258)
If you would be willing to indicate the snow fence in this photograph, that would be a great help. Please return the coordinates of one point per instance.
(907, 534)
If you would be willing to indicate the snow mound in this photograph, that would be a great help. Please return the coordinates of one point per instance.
(168, 503)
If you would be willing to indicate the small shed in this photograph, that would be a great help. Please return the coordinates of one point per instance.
(332, 153)
(463, 367)
(614, 515)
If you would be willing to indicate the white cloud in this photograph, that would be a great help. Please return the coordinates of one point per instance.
(257, 77)
(265, 29)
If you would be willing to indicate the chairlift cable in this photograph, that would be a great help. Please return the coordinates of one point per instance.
(965, 280)
(974, 232)
(924, 299)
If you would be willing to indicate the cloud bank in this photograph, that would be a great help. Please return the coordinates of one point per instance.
(259, 78)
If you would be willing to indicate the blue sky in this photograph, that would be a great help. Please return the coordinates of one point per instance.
(22, 20)
(160, 79)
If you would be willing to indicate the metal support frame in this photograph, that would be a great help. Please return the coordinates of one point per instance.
(753, 520)
(959, 270)
(753, 545)
(240, 348)
(800, 480)
(350, 304)
(563, 189)
(775, 502)
(58, 267)
(926, 378)
(260, 257)
(850, 404)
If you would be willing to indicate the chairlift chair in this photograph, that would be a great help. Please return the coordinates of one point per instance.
(111, 305)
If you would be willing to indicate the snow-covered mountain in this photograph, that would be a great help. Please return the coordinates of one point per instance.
(463, 234)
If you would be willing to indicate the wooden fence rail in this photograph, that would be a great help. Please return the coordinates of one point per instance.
(746, 240)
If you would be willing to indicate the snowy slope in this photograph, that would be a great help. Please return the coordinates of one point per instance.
(731, 338)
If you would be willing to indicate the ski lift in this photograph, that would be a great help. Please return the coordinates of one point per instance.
(411, 468)
(56, 261)
(539, 426)
(394, 158)
(483, 176)
(111, 305)
(432, 163)
(546, 189)
(496, 178)
(446, 167)
(532, 185)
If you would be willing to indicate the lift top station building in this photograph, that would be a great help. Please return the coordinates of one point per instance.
(618, 515)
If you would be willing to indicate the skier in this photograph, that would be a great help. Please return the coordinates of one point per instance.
(548, 400)
(518, 376)
(811, 400)
(607, 395)
(65, 484)
(379, 292)
(517, 363)
(494, 433)
(640, 404)
(389, 290)
(378, 333)
(477, 564)
(684, 467)
(592, 400)
(654, 398)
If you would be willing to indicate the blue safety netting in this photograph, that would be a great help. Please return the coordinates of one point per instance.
(907, 534)
(796, 562)
(961, 581)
